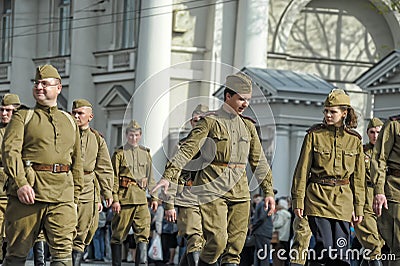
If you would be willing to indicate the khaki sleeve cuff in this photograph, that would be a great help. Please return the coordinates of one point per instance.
(169, 206)
(359, 210)
(108, 195)
(115, 198)
(298, 204)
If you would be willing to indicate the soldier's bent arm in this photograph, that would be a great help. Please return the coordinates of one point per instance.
(104, 170)
(383, 148)
(116, 161)
(12, 149)
(258, 162)
(301, 173)
(77, 165)
(188, 149)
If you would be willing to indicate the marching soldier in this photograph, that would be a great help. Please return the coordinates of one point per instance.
(222, 186)
(9, 104)
(367, 231)
(42, 159)
(329, 179)
(189, 216)
(98, 169)
(133, 173)
(385, 173)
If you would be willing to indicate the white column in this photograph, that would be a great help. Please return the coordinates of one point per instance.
(24, 47)
(252, 34)
(83, 45)
(151, 97)
(280, 166)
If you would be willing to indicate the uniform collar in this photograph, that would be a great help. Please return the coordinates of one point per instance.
(127, 146)
(47, 109)
(223, 113)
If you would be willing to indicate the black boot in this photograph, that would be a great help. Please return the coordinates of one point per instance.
(39, 258)
(141, 254)
(296, 264)
(77, 257)
(230, 264)
(193, 258)
(116, 254)
(375, 263)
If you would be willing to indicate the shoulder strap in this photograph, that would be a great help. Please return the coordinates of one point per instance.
(28, 117)
(70, 119)
(98, 136)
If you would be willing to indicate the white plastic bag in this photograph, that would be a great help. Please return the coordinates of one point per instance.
(155, 250)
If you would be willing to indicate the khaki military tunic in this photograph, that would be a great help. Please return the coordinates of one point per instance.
(330, 152)
(386, 157)
(222, 186)
(367, 231)
(50, 137)
(96, 165)
(134, 163)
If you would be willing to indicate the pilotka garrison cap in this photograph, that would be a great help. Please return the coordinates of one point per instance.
(10, 99)
(374, 122)
(81, 103)
(239, 82)
(46, 71)
(200, 109)
(133, 125)
(337, 97)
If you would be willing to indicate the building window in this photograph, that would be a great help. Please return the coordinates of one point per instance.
(6, 31)
(64, 36)
(126, 23)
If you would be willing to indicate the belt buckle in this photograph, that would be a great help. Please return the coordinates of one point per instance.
(55, 167)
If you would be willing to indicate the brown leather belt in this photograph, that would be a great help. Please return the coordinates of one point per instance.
(126, 182)
(87, 172)
(329, 181)
(393, 172)
(230, 165)
(55, 168)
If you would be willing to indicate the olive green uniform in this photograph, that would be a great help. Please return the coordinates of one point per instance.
(301, 240)
(330, 154)
(134, 163)
(95, 223)
(96, 165)
(367, 231)
(50, 137)
(3, 195)
(385, 163)
(222, 186)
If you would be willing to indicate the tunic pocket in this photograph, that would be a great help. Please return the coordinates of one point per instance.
(349, 157)
(322, 156)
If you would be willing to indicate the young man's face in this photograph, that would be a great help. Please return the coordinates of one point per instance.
(238, 102)
(373, 133)
(6, 113)
(133, 137)
(83, 115)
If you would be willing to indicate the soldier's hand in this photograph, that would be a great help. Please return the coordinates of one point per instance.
(170, 215)
(356, 219)
(142, 183)
(269, 202)
(26, 194)
(99, 207)
(299, 213)
(116, 207)
(154, 206)
(379, 201)
(163, 183)
(109, 202)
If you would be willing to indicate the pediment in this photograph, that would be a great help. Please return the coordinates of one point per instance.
(383, 75)
(116, 97)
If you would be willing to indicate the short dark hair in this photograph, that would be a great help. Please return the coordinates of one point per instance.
(231, 92)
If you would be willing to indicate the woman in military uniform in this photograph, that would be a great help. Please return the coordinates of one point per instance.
(329, 180)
